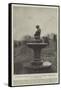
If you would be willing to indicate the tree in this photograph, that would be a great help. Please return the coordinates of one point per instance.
(55, 37)
(46, 39)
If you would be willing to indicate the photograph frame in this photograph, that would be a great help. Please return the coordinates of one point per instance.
(10, 55)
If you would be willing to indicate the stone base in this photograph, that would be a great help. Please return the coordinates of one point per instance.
(41, 67)
(36, 63)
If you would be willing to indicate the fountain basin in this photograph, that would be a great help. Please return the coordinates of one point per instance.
(37, 45)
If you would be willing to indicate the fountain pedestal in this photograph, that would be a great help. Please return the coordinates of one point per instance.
(38, 65)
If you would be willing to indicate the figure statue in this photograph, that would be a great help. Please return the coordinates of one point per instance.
(37, 33)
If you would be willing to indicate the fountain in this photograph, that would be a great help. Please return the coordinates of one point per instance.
(38, 65)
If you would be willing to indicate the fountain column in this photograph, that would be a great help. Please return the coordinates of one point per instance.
(37, 54)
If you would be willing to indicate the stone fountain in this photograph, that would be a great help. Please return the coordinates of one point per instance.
(38, 65)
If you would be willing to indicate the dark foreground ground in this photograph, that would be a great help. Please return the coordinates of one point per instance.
(23, 56)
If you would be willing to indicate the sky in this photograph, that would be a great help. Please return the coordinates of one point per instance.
(25, 19)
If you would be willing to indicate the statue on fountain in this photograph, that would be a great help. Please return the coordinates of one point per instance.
(37, 33)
